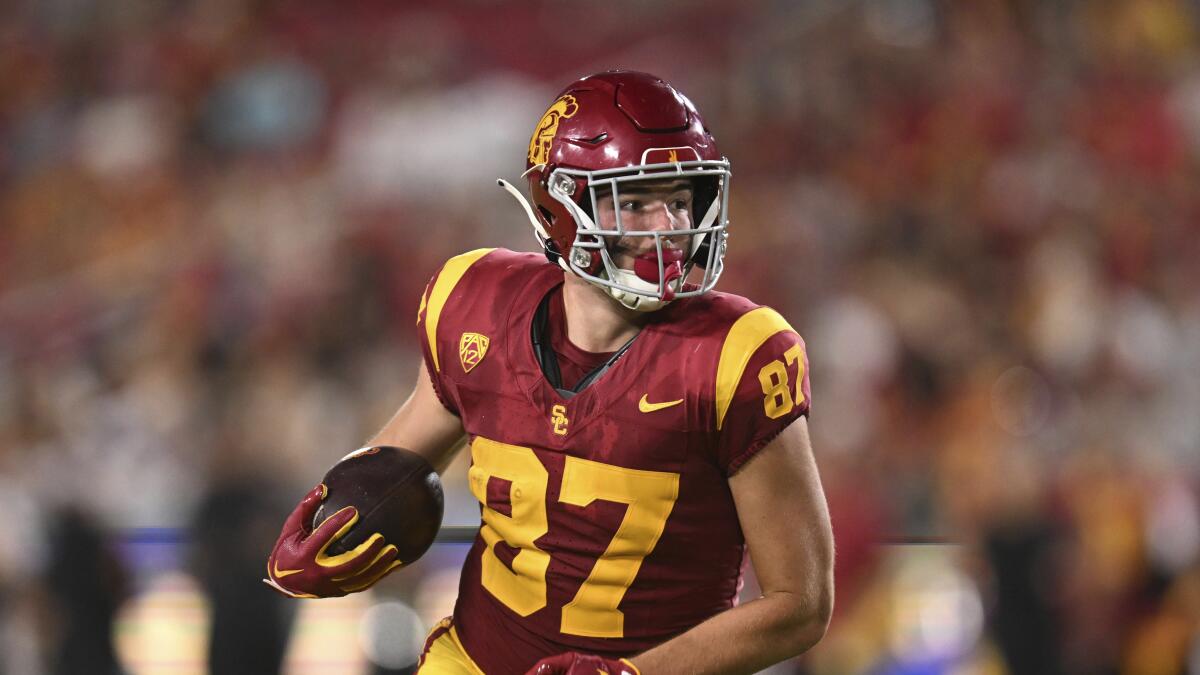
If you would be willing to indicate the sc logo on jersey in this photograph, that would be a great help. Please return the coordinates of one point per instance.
(558, 418)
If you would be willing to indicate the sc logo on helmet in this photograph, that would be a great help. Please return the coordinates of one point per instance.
(543, 135)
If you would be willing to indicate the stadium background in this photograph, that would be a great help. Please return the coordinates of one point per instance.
(216, 218)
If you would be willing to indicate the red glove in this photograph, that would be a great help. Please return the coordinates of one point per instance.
(298, 566)
(574, 663)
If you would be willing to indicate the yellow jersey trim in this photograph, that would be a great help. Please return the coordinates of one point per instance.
(463, 651)
(451, 273)
(746, 335)
(424, 299)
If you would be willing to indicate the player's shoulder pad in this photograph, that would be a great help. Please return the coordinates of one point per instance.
(752, 327)
(457, 273)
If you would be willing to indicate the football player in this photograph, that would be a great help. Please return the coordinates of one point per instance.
(632, 432)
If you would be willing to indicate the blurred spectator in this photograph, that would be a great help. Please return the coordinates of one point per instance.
(232, 534)
(87, 584)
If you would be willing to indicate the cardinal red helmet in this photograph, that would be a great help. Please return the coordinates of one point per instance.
(599, 136)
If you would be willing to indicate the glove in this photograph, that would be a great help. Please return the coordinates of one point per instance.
(574, 663)
(299, 567)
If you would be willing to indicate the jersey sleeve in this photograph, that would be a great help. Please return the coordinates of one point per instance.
(437, 302)
(762, 386)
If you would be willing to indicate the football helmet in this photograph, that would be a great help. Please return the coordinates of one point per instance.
(611, 132)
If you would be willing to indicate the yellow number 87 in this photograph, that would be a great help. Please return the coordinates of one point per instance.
(649, 497)
(778, 399)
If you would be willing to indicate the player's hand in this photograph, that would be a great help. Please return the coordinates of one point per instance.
(299, 567)
(574, 663)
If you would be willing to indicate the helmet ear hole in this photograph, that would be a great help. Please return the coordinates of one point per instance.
(546, 215)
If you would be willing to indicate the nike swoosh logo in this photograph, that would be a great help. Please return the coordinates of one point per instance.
(279, 574)
(648, 407)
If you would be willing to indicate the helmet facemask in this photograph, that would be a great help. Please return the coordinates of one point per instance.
(660, 268)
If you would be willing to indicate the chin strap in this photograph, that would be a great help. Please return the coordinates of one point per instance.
(539, 232)
(639, 303)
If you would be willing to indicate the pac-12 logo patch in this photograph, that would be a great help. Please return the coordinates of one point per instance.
(543, 135)
(472, 347)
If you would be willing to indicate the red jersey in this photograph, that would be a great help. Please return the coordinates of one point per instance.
(608, 523)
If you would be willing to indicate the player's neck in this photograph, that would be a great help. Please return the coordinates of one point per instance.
(596, 322)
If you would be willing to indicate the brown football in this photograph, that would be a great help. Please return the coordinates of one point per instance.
(397, 494)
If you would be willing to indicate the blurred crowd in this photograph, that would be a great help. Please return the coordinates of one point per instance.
(216, 219)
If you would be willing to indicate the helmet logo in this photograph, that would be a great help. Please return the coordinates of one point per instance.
(670, 155)
(539, 146)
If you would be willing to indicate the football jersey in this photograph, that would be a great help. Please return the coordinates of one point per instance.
(608, 525)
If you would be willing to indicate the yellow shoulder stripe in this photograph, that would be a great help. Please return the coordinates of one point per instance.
(746, 335)
(453, 270)
(424, 299)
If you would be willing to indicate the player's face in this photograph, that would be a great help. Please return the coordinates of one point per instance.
(658, 206)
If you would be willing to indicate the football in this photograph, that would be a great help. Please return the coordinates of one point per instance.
(397, 494)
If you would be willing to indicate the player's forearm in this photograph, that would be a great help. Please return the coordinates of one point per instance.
(412, 430)
(747, 638)
(423, 425)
